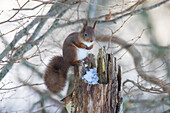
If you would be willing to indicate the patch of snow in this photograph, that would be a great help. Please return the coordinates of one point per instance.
(85, 65)
(91, 76)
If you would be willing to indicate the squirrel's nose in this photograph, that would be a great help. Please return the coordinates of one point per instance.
(91, 40)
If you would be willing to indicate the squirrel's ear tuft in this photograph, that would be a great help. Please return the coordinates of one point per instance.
(94, 24)
(85, 23)
(84, 26)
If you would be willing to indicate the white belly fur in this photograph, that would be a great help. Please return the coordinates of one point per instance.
(82, 53)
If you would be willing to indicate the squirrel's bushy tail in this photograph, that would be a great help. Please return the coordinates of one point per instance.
(56, 74)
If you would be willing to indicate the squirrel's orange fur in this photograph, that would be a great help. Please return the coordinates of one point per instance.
(75, 45)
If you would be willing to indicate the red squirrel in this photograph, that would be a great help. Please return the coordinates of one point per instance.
(75, 49)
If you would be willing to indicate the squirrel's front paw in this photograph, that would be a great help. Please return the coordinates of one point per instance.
(88, 48)
(78, 62)
(83, 45)
(86, 59)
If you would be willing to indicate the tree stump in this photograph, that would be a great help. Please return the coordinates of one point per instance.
(104, 97)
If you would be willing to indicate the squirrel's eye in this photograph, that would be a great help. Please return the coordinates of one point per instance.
(85, 34)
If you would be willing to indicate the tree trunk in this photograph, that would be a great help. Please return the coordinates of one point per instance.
(104, 97)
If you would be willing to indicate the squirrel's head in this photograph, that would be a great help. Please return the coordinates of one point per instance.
(87, 32)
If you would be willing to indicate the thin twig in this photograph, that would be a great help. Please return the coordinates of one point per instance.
(142, 88)
(15, 13)
(122, 12)
(30, 43)
(117, 18)
(33, 7)
(52, 12)
(138, 61)
(132, 44)
(21, 86)
(53, 105)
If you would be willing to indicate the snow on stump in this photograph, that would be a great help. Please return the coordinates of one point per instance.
(96, 90)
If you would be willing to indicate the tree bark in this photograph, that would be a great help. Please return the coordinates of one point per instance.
(98, 98)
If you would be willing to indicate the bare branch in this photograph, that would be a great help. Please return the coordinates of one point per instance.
(15, 13)
(33, 7)
(31, 43)
(142, 88)
(136, 11)
(122, 12)
(52, 12)
(53, 105)
(117, 18)
(138, 61)
(21, 86)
